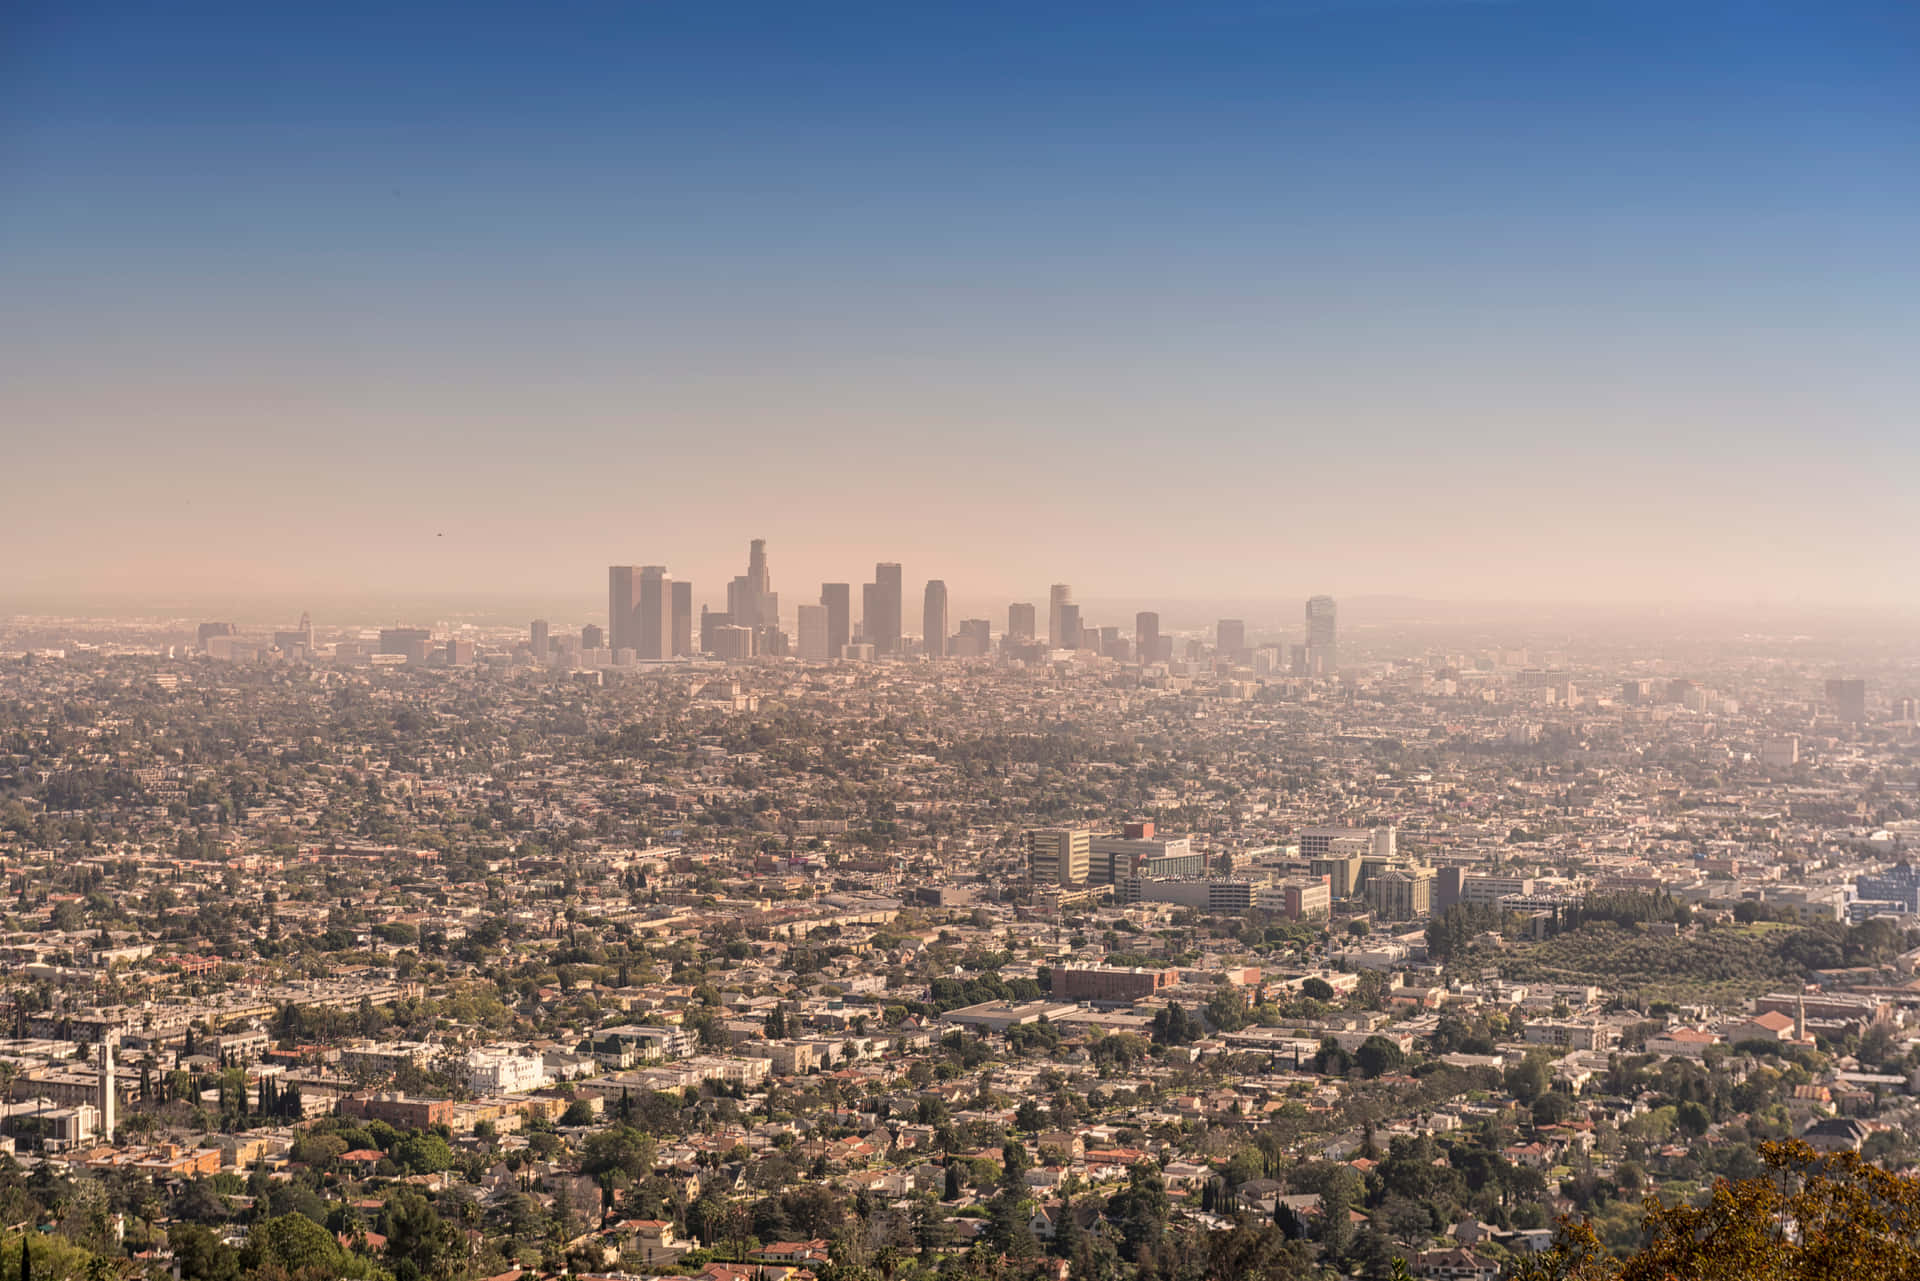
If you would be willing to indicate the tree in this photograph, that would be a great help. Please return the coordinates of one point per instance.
(200, 1255)
(953, 1189)
(293, 1242)
(1378, 1056)
(1316, 988)
(1528, 1079)
(1849, 1220)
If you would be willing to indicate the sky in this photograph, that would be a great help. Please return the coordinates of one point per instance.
(1525, 300)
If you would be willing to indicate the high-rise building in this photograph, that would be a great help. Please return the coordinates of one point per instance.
(210, 630)
(933, 619)
(813, 625)
(591, 637)
(1848, 699)
(1059, 600)
(653, 615)
(411, 642)
(623, 598)
(751, 600)
(731, 641)
(1059, 855)
(681, 631)
(1071, 634)
(1401, 893)
(711, 622)
(541, 640)
(1229, 637)
(1146, 636)
(1020, 622)
(837, 598)
(1323, 656)
(880, 621)
(974, 639)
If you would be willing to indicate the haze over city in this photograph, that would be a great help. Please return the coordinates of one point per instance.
(1464, 302)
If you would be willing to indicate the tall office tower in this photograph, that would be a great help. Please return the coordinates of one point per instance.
(1229, 637)
(1322, 655)
(933, 619)
(653, 615)
(881, 620)
(1146, 637)
(210, 630)
(710, 625)
(813, 625)
(591, 637)
(975, 638)
(1848, 699)
(837, 598)
(1059, 599)
(542, 642)
(1059, 855)
(869, 611)
(1069, 634)
(1020, 622)
(623, 598)
(681, 630)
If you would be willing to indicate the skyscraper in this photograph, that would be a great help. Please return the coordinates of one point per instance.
(653, 615)
(1020, 622)
(813, 624)
(542, 641)
(838, 600)
(881, 620)
(1146, 636)
(933, 619)
(682, 629)
(1070, 634)
(1058, 598)
(975, 638)
(1322, 653)
(751, 601)
(623, 597)
(1229, 637)
(1848, 699)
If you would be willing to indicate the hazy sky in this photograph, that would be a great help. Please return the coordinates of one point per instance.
(1550, 298)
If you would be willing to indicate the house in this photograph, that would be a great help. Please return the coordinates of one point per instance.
(1455, 1264)
(1836, 1134)
(1681, 1042)
(808, 1254)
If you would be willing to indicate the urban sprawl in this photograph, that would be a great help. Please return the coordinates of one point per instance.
(684, 944)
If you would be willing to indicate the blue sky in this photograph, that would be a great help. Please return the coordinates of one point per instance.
(1534, 299)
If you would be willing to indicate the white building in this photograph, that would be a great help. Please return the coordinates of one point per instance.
(500, 1071)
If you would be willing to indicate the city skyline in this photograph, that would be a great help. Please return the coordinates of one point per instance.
(1495, 302)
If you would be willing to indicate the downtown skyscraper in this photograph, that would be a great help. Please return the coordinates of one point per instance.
(1322, 648)
(1059, 601)
(880, 615)
(933, 629)
(623, 598)
(837, 599)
